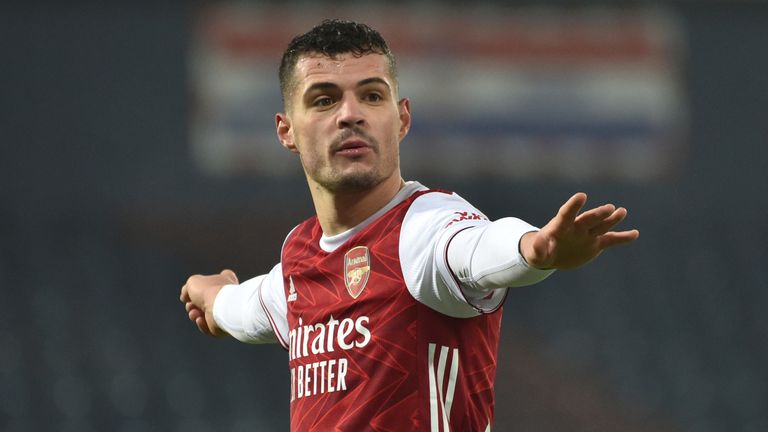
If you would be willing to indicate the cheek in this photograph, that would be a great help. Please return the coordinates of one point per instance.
(314, 134)
(310, 150)
(395, 134)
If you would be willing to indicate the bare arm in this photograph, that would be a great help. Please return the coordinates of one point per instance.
(572, 239)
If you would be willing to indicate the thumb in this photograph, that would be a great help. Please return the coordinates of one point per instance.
(230, 275)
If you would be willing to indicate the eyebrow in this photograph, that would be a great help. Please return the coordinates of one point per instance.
(372, 81)
(329, 85)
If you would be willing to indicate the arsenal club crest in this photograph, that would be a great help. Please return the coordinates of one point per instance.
(357, 268)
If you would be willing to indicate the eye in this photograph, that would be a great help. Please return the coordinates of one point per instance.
(323, 101)
(374, 97)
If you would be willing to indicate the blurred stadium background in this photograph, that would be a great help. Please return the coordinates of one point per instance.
(136, 148)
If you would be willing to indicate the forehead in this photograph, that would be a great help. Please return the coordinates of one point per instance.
(342, 69)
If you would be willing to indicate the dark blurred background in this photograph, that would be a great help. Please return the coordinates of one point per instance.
(105, 211)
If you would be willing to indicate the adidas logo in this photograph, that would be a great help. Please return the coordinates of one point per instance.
(291, 290)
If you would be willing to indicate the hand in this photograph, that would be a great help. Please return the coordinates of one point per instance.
(198, 295)
(571, 239)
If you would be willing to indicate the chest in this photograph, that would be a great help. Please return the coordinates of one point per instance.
(363, 279)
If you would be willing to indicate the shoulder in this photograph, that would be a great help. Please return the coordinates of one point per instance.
(441, 209)
(432, 219)
(307, 232)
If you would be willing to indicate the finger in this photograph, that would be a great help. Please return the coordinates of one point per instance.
(194, 314)
(612, 238)
(189, 306)
(203, 326)
(229, 274)
(184, 297)
(571, 208)
(609, 222)
(593, 217)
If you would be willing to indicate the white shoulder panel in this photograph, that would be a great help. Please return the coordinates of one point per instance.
(430, 222)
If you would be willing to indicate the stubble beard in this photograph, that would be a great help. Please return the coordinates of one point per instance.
(352, 182)
(358, 179)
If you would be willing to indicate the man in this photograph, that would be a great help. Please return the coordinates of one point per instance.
(388, 301)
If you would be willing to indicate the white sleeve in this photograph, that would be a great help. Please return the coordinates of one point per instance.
(255, 310)
(487, 257)
(457, 262)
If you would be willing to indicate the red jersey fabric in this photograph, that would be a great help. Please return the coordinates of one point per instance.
(365, 355)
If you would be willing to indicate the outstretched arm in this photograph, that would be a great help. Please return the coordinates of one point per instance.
(572, 239)
(198, 295)
(253, 311)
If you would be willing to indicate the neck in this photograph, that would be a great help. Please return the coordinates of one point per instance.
(340, 211)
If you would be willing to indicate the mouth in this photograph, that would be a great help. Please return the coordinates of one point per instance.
(354, 147)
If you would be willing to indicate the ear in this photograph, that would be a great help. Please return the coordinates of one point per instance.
(404, 109)
(285, 132)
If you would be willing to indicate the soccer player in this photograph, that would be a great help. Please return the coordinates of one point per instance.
(389, 300)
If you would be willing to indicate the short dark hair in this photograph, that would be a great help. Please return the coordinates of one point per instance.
(332, 38)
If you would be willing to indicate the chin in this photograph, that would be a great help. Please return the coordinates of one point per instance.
(356, 182)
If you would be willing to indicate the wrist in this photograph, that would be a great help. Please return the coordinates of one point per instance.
(527, 249)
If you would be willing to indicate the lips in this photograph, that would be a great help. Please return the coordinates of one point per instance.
(353, 147)
(353, 144)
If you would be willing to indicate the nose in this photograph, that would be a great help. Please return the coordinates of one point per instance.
(350, 113)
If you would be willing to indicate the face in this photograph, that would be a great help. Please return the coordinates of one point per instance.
(345, 122)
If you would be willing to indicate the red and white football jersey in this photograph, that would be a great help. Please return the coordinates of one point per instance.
(382, 334)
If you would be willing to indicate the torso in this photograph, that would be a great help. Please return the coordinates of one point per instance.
(364, 354)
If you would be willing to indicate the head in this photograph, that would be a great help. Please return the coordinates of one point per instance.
(342, 113)
(330, 39)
